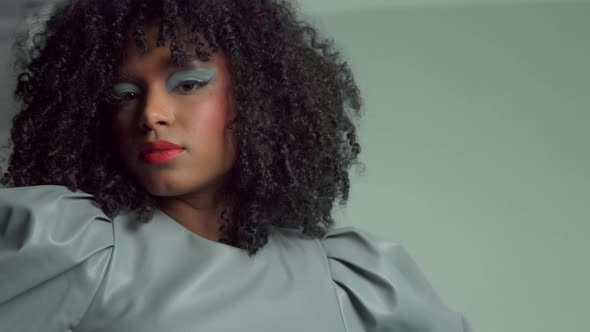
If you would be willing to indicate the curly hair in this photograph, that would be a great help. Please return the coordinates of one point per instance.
(295, 99)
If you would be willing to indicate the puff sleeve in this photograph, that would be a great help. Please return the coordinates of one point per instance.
(380, 288)
(55, 248)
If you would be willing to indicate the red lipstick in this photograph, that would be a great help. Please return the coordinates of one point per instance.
(160, 152)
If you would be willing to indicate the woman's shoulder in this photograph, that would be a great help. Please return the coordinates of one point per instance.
(53, 213)
(56, 244)
(381, 288)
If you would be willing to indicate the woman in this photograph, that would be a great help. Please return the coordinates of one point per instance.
(175, 166)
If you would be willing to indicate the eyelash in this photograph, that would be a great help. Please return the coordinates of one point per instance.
(122, 98)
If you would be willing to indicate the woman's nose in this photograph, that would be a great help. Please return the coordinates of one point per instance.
(158, 109)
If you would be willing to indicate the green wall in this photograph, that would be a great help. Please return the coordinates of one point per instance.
(475, 137)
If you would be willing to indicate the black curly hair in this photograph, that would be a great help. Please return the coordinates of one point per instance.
(295, 100)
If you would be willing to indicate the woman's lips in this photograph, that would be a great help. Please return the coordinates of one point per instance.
(149, 147)
(161, 156)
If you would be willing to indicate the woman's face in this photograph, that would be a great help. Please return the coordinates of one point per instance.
(188, 106)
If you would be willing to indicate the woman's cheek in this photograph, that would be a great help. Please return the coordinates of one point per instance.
(120, 139)
(117, 135)
(209, 119)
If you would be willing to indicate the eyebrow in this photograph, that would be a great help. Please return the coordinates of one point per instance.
(164, 64)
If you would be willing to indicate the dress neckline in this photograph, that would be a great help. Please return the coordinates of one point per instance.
(194, 236)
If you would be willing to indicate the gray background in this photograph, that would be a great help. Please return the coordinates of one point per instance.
(475, 137)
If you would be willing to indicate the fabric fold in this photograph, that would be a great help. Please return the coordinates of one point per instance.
(381, 288)
(55, 247)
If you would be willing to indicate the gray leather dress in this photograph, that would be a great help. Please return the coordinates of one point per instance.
(65, 266)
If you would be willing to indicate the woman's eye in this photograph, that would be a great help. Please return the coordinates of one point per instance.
(123, 97)
(190, 86)
(184, 87)
(128, 96)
